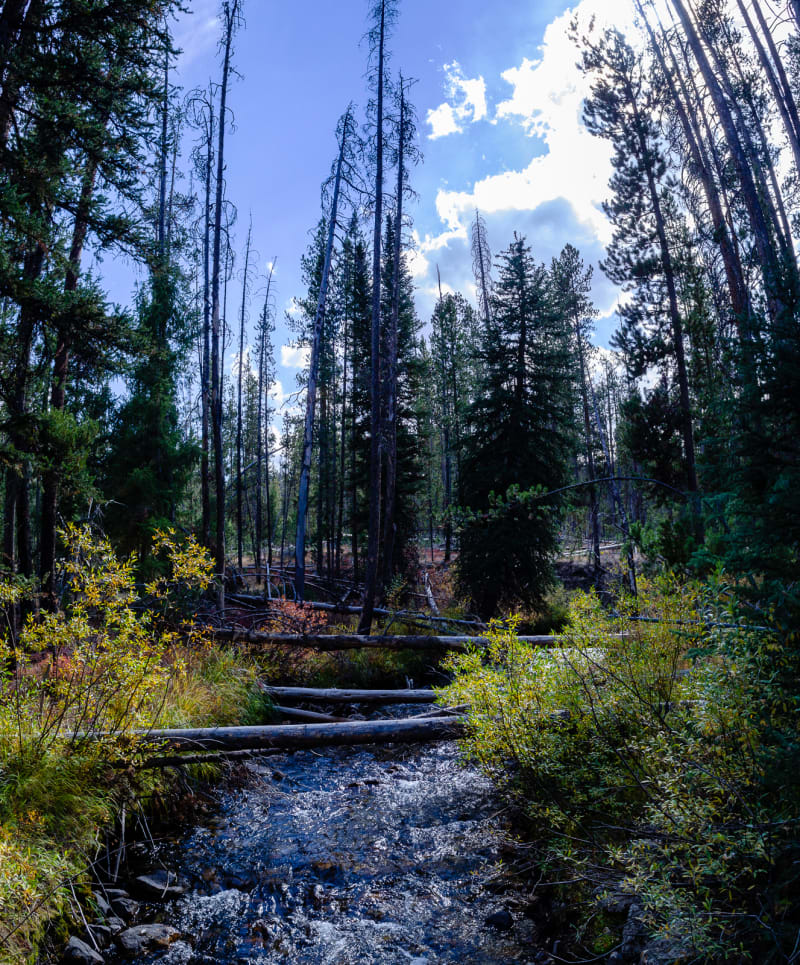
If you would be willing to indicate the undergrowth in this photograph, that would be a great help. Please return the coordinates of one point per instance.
(662, 764)
(73, 685)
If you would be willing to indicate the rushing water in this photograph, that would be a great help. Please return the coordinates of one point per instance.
(356, 855)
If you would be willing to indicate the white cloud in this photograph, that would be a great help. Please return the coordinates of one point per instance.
(465, 104)
(443, 121)
(419, 263)
(295, 356)
(546, 100)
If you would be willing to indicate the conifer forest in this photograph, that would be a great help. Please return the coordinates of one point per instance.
(511, 434)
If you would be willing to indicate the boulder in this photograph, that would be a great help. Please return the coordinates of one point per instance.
(125, 907)
(159, 885)
(501, 920)
(79, 953)
(142, 939)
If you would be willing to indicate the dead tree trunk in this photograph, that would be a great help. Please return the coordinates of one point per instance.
(231, 14)
(375, 454)
(313, 373)
(750, 195)
(262, 432)
(390, 526)
(239, 514)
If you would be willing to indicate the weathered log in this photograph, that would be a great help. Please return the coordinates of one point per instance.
(355, 610)
(353, 641)
(457, 711)
(298, 736)
(330, 695)
(311, 716)
(212, 757)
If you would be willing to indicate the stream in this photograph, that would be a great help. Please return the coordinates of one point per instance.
(359, 855)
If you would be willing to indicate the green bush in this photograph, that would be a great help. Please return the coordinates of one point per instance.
(663, 763)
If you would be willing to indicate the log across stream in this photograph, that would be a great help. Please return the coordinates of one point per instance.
(376, 855)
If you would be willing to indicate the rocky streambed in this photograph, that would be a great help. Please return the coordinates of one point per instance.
(377, 855)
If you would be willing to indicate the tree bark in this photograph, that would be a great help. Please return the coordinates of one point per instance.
(352, 641)
(732, 264)
(778, 81)
(375, 454)
(390, 525)
(687, 430)
(300, 736)
(758, 223)
(313, 373)
(239, 514)
(205, 482)
(231, 13)
(332, 695)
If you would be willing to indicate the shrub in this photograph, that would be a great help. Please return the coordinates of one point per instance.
(664, 763)
(71, 687)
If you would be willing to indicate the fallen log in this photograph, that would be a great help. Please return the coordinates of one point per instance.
(212, 757)
(329, 695)
(354, 610)
(457, 711)
(300, 736)
(352, 641)
(295, 713)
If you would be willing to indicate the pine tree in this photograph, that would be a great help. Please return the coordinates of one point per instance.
(518, 439)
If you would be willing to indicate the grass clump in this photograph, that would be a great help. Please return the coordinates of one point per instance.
(663, 765)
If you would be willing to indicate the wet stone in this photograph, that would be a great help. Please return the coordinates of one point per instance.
(125, 907)
(79, 953)
(501, 920)
(159, 885)
(142, 939)
(101, 934)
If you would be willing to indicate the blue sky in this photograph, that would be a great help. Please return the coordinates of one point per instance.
(498, 99)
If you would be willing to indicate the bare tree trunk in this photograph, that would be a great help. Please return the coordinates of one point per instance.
(205, 399)
(313, 374)
(239, 518)
(761, 234)
(778, 81)
(677, 324)
(733, 267)
(481, 265)
(261, 435)
(375, 454)
(593, 507)
(231, 11)
(616, 496)
(390, 526)
(343, 446)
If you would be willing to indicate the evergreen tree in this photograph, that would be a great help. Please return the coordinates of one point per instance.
(518, 441)
(149, 459)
